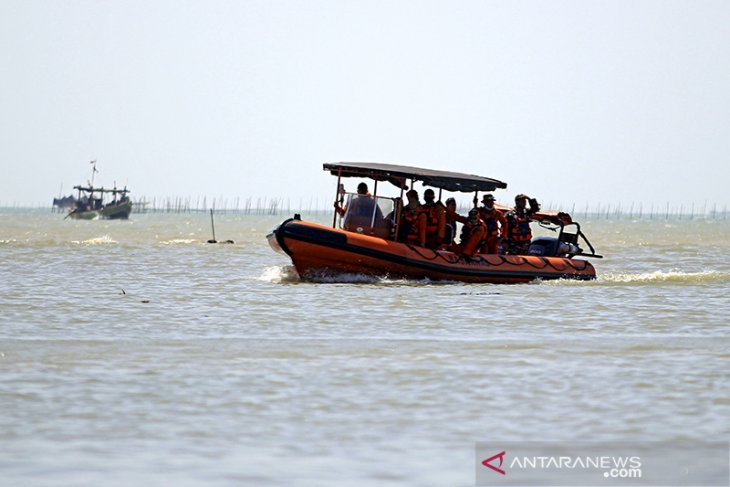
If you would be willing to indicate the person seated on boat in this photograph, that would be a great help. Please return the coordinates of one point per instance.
(412, 221)
(496, 225)
(472, 234)
(362, 189)
(361, 209)
(435, 225)
(519, 234)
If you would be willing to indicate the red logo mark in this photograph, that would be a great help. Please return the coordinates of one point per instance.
(496, 469)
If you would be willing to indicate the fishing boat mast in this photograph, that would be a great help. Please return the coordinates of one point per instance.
(93, 171)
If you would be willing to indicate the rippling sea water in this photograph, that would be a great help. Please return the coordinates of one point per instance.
(133, 353)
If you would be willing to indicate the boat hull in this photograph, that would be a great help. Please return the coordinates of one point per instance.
(317, 250)
(84, 215)
(117, 211)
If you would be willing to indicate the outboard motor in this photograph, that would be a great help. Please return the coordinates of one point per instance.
(566, 244)
(553, 247)
(544, 247)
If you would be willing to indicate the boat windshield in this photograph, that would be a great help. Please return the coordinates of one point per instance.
(370, 215)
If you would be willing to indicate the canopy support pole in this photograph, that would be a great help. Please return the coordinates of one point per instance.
(375, 207)
(398, 213)
(337, 194)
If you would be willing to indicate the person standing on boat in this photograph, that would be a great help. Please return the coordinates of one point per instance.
(519, 234)
(435, 224)
(496, 225)
(412, 221)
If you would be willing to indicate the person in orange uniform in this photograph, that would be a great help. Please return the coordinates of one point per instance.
(472, 234)
(519, 234)
(451, 218)
(435, 224)
(413, 221)
(496, 225)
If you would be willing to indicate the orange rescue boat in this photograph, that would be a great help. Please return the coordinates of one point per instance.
(367, 244)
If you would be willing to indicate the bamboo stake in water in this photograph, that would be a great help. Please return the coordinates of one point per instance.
(212, 226)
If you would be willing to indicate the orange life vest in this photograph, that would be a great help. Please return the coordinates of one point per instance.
(518, 226)
(435, 222)
(494, 220)
(414, 227)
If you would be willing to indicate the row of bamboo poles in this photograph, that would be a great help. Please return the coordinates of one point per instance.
(284, 206)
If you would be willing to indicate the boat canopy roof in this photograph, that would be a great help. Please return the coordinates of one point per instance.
(399, 175)
(90, 189)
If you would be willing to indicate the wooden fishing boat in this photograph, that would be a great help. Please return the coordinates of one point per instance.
(370, 246)
(91, 205)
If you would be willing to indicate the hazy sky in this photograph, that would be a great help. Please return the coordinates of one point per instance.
(570, 101)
